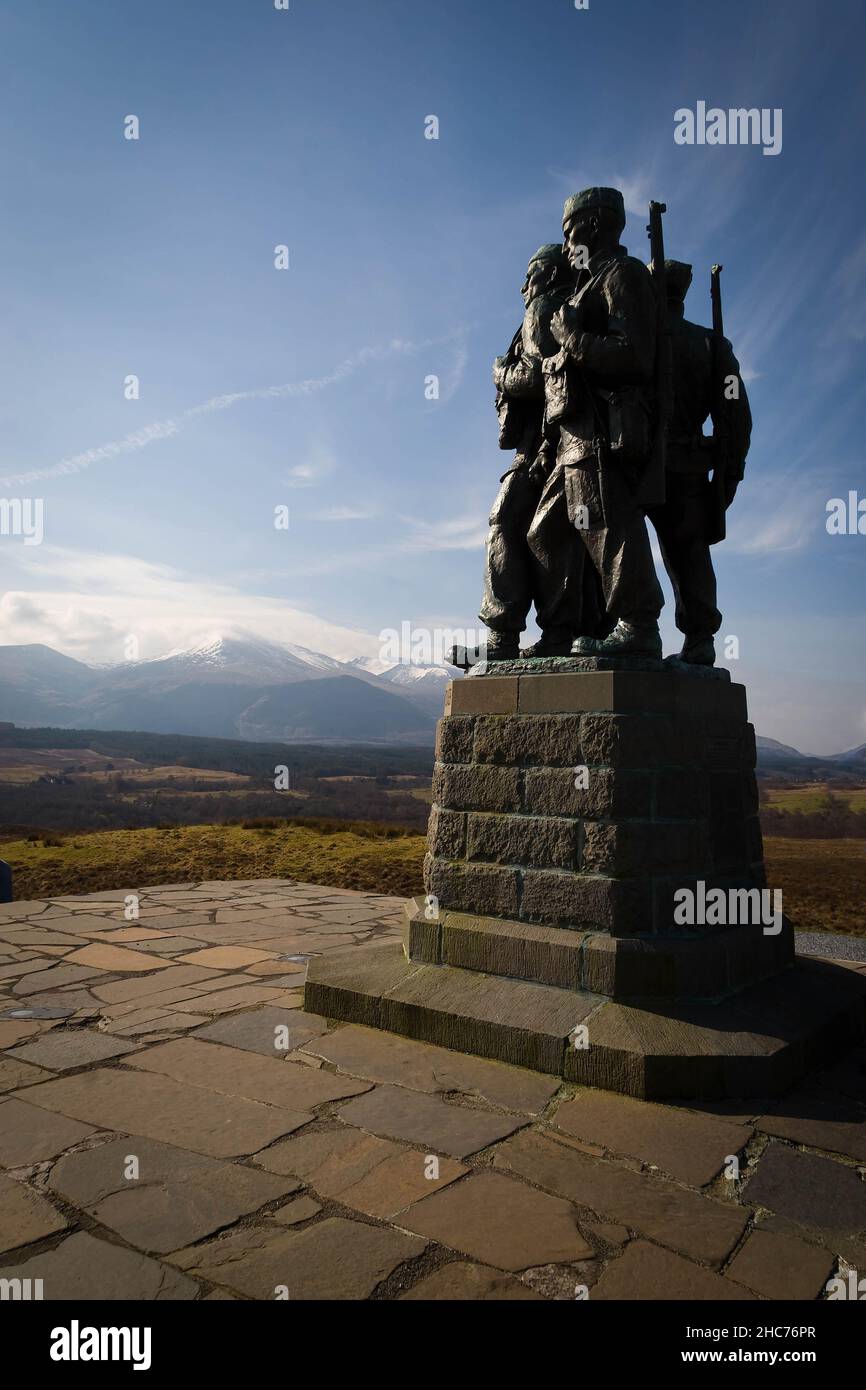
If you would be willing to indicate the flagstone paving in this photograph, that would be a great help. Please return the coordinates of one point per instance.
(174, 1125)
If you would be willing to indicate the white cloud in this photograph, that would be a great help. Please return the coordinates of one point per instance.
(89, 602)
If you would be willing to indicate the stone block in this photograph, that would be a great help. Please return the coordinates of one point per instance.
(644, 847)
(520, 950)
(542, 841)
(446, 833)
(730, 847)
(557, 791)
(621, 967)
(555, 694)
(478, 787)
(454, 738)
(551, 740)
(726, 791)
(680, 792)
(669, 904)
(485, 888)
(754, 841)
(482, 695)
(641, 741)
(586, 901)
(421, 935)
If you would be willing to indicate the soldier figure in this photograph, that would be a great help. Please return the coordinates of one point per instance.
(597, 427)
(513, 579)
(706, 383)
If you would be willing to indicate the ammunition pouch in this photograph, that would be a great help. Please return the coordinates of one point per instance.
(628, 420)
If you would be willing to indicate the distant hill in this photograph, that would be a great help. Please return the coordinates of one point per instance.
(230, 687)
(782, 758)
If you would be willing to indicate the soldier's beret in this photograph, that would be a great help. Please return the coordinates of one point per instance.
(551, 251)
(593, 198)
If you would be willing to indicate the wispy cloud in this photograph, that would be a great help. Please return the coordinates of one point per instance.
(341, 514)
(165, 429)
(457, 533)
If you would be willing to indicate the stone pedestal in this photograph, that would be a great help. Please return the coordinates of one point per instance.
(596, 903)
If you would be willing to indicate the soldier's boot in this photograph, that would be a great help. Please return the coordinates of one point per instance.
(698, 651)
(627, 639)
(503, 646)
(554, 641)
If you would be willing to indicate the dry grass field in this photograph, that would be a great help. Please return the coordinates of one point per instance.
(823, 881)
(352, 855)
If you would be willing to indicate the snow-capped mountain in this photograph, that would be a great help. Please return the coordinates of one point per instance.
(424, 683)
(239, 658)
(227, 685)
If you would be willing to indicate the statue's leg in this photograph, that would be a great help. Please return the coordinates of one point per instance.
(507, 571)
(557, 562)
(681, 526)
(619, 548)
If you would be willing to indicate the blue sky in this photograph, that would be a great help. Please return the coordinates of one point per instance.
(306, 128)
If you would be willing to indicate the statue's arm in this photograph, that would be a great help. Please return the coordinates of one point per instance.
(523, 378)
(626, 350)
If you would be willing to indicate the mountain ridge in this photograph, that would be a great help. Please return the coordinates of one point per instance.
(232, 685)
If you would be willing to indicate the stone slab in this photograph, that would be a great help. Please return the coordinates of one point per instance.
(512, 1020)
(82, 1269)
(160, 1107)
(14, 1074)
(815, 1193)
(781, 1267)
(500, 1222)
(696, 1226)
(463, 1282)
(229, 1071)
(255, 1030)
(379, 1056)
(644, 1271)
(332, 1259)
(372, 1175)
(820, 1119)
(29, 1134)
(25, 1217)
(686, 1146)
(64, 1049)
(457, 1130)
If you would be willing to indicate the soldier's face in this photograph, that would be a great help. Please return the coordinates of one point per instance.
(536, 278)
(579, 235)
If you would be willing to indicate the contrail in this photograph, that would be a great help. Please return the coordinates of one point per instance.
(164, 429)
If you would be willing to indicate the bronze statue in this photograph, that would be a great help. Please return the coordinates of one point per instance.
(513, 577)
(706, 384)
(598, 430)
(603, 394)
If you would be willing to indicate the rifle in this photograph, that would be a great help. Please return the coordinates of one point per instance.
(652, 487)
(717, 520)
